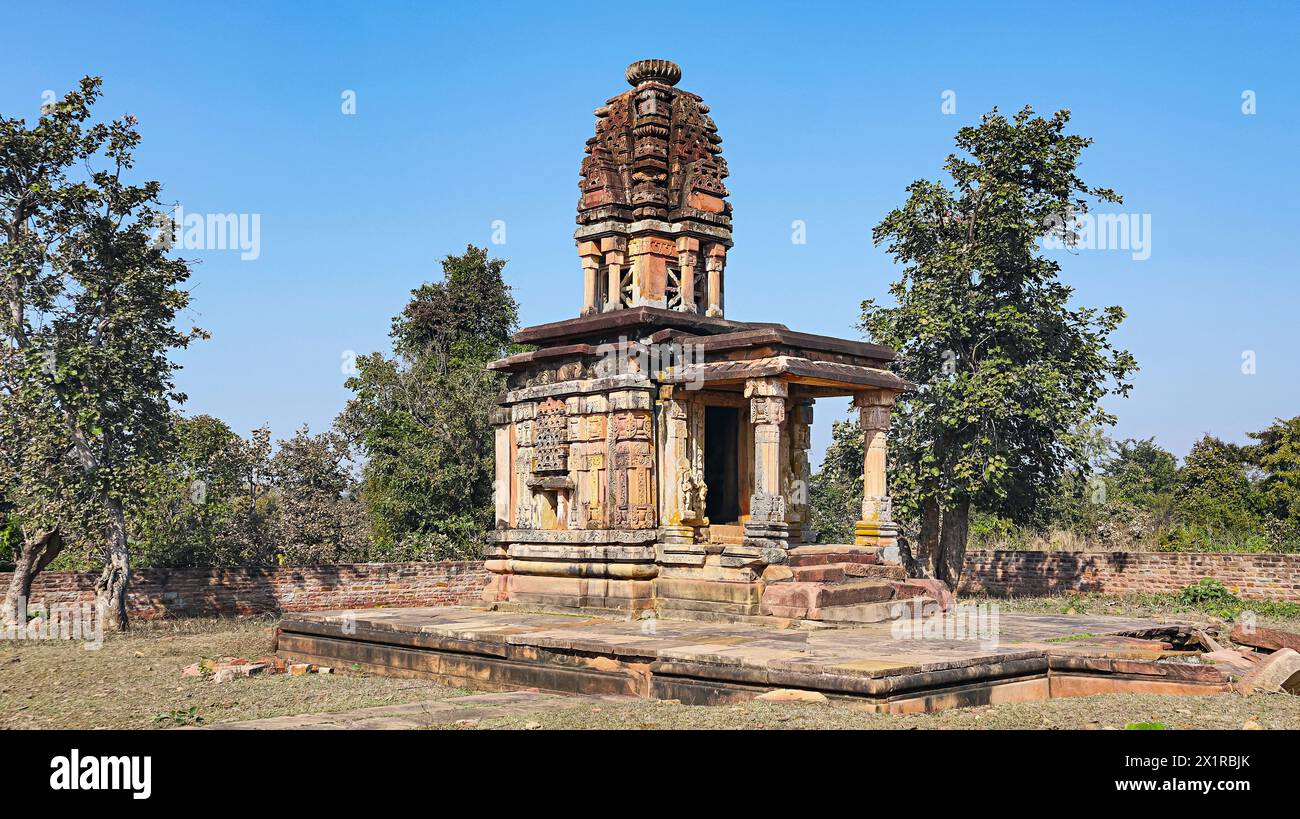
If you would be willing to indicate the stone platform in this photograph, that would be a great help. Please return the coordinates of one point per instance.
(892, 667)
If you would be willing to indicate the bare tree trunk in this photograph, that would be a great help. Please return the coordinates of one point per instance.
(952, 544)
(927, 540)
(34, 555)
(110, 588)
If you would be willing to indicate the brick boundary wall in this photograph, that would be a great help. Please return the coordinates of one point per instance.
(1014, 573)
(159, 593)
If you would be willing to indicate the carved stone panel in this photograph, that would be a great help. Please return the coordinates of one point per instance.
(552, 441)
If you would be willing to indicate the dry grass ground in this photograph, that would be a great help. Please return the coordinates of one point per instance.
(1165, 606)
(134, 681)
(1110, 711)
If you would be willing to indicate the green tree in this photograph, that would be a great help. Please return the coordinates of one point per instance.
(1216, 503)
(422, 417)
(1141, 472)
(90, 300)
(320, 519)
(835, 491)
(193, 509)
(1005, 367)
(1277, 457)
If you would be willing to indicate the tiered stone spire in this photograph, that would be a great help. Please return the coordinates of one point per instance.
(654, 222)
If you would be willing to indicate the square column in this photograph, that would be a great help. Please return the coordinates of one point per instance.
(767, 532)
(614, 249)
(502, 483)
(688, 260)
(590, 254)
(714, 263)
(876, 528)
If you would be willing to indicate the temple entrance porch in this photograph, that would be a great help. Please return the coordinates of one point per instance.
(722, 465)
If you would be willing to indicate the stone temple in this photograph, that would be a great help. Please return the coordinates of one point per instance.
(652, 466)
(652, 453)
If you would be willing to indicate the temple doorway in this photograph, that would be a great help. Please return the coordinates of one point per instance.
(721, 464)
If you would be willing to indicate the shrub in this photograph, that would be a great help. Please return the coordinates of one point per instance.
(1207, 591)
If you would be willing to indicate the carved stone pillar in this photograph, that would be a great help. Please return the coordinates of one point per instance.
(688, 261)
(632, 475)
(713, 264)
(681, 471)
(502, 482)
(799, 470)
(524, 416)
(766, 532)
(590, 254)
(876, 528)
(614, 249)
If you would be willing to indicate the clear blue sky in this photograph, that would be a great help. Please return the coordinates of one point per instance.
(468, 114)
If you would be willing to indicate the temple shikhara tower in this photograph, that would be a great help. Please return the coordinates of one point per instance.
(652, 453)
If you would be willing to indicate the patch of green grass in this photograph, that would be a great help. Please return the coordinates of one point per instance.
(1069, 638)
(176, 716)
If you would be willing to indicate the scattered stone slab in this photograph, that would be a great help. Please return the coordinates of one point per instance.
(1270, 639)
(936, 589)
(1279, 671)
(792, 695)
(1210, 644)
(1233, 661)
(229, 668)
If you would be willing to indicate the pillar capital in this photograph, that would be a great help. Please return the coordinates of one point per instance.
(766, 387)
(873, 398)
(874, 409)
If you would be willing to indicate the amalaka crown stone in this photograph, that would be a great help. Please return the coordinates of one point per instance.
(662, 71)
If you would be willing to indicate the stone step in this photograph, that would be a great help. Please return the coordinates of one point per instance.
(816, 555)
(823, 573)
(884, 571)
(876, 612)
(838, 572)
(855, 591)
(796, 599)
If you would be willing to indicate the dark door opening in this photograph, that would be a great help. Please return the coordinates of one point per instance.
(721, 464)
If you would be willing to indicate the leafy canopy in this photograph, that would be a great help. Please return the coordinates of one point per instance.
(1006, 369)
(422, 416)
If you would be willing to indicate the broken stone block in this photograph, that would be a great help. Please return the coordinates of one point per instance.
(324, 669)
(776, 573)
(299, 669)
(1279, 671)
(1233, 662)
(1270, 639)
(225, 672)
(274, 664)
(791, 695)
(934, 588)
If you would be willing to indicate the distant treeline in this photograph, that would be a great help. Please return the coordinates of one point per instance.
(1131, 495)
(404, 474)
